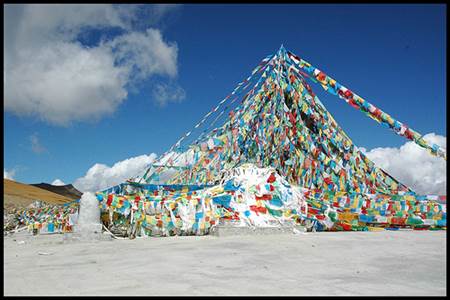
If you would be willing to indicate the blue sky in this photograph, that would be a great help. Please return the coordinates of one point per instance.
(391, 55)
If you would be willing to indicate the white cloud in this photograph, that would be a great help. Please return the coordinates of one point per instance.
(65, 82)
(9, 174)
(413, 165)
(101, 176)
(36, 145)
(178, 159)
(181, 159)
(51, 75)
(164, 93)
(58, 182)
(146, 53)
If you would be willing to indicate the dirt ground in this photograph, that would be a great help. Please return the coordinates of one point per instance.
(322, 263)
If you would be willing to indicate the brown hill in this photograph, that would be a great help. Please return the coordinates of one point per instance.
(67, 190)
(18, 195)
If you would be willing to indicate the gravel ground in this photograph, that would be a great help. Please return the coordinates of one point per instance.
(322, 263)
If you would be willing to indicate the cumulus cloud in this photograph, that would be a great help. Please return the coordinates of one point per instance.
(101, 176)
(176, 158)
(9, 174)
(64, 83)
(413, 165)
(50, 74)
(58, 182)
(173, 158)
(146, 53)
(36, 145)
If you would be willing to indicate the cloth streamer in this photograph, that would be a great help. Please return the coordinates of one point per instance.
(269, 154)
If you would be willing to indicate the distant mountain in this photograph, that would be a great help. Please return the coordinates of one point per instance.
(16, 194)
(67, 190)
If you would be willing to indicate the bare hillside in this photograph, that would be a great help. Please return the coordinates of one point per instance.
(67, 190)
(16, 194)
